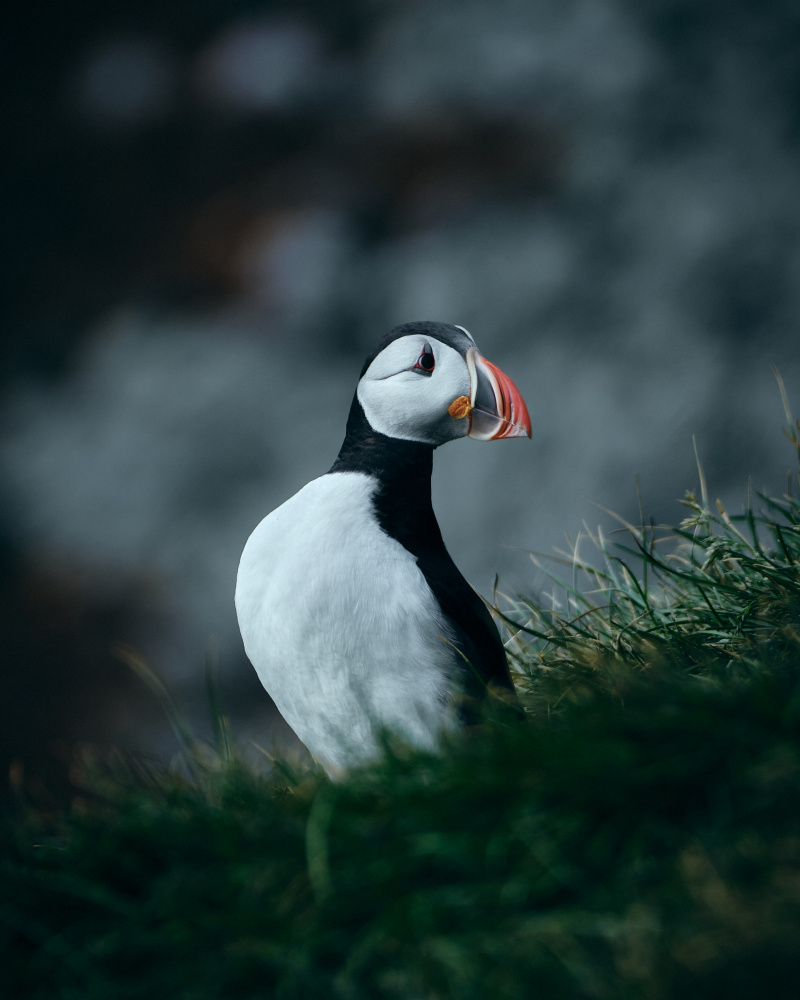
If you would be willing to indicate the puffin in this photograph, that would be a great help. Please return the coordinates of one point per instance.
(351, 610)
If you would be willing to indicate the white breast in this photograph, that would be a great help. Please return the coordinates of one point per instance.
(341, 625)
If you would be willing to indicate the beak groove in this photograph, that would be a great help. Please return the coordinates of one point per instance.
(498, 409)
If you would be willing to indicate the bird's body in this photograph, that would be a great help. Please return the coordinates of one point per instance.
(353, 637)
(351, 610)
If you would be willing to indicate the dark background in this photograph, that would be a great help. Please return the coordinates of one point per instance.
(211, 210)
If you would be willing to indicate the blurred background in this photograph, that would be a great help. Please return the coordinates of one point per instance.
(213, 209)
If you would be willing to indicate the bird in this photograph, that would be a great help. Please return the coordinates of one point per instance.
(351, 610)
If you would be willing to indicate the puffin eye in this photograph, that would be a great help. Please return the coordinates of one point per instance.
(425, 362)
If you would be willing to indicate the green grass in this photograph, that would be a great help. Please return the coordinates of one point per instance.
(638, 835)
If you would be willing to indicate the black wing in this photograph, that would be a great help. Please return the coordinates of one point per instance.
(477, 638)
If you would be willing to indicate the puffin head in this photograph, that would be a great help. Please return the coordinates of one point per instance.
(427, 382)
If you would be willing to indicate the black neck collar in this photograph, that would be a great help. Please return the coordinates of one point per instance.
(403, 472)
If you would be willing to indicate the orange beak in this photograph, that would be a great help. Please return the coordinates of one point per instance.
(497, 407)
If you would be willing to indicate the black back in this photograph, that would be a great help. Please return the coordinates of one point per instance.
(404, 510)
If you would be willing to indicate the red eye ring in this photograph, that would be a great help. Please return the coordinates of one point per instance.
(426, 362)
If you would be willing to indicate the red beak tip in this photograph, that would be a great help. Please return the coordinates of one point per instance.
(511, 418)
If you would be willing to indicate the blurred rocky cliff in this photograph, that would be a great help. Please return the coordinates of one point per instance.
(212, 210)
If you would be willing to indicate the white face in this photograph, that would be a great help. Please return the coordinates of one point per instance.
(402, 400)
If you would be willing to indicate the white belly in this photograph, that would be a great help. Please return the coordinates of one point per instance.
(341, 625)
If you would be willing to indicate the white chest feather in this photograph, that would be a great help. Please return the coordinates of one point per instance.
(341, 626)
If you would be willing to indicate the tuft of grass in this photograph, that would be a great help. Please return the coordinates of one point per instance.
(637, 837)
(713, 597)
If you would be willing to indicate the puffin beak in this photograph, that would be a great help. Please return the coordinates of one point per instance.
(497, 407)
